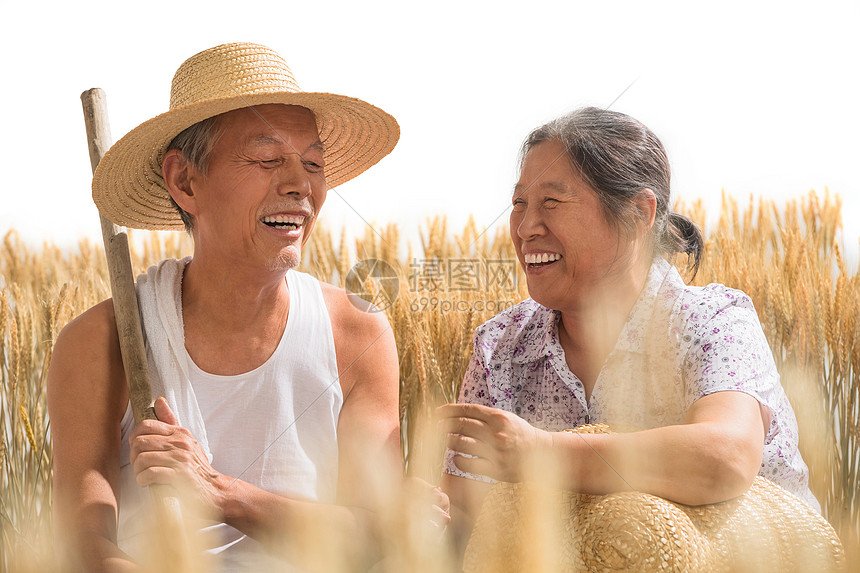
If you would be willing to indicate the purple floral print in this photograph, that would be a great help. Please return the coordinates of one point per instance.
(679, 343)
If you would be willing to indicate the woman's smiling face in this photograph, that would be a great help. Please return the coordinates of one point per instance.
(563, 240)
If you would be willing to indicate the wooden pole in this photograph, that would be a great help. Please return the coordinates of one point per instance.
(174, 555)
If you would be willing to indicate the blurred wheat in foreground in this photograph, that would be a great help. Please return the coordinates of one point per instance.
(788, 259)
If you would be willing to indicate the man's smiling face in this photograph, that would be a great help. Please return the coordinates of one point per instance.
(264, 186)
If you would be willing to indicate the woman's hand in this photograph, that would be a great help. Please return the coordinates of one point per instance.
(164, 452)
(501, 441)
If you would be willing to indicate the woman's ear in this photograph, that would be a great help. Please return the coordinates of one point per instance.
(646, 202)
(177, 173)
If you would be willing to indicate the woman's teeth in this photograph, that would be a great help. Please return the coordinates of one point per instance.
(537, 258)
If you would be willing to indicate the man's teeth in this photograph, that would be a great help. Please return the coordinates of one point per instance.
(535, 258)
(284, 221)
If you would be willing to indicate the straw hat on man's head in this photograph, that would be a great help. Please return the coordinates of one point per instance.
(128, 187)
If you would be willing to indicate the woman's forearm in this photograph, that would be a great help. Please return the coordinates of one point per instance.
(690, 464)
(711, 458)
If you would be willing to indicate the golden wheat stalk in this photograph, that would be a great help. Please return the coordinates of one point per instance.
(788, 258)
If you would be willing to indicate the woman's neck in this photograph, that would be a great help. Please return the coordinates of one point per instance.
(589, 329)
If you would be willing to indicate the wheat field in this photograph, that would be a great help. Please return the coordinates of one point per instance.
(787, 257)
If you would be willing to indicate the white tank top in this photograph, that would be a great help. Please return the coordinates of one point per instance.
(274, 427)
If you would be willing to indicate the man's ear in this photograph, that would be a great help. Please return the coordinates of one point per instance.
(177, 173)
(646, 202)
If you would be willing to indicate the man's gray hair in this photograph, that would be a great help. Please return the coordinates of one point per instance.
(196, 144)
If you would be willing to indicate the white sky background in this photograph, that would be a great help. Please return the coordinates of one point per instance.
(759, 98)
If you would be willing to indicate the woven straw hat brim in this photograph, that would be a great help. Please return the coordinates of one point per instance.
(765, 529)
(128, 187)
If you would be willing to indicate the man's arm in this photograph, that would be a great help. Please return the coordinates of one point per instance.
(87, 398)
(369, 425)
(467, 496)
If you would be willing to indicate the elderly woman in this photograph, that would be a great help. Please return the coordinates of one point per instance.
(612, 334)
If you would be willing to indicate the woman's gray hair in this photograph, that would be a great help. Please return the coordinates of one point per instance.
(618, 157)
(196, 144)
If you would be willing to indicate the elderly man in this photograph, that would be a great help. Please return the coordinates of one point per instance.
(280, 393)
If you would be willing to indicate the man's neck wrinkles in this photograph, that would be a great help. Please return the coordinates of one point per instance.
(231, 298)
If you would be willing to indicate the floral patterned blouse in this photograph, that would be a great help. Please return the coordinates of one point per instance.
(679, 343)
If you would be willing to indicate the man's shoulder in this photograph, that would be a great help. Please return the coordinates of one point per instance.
(86, 359)
(364, 342)
(94, 327)
(350, 313)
